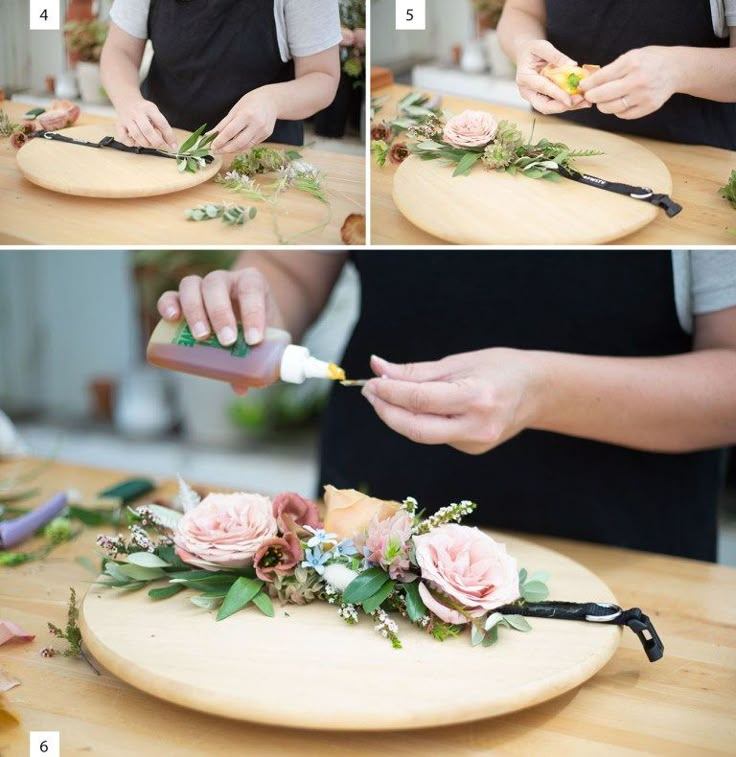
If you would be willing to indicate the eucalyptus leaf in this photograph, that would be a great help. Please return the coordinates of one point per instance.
(477, 634)
(541, 575)
(112, 569)
(415, 607)
(207, 603)
(138, 573)
(147, 560)
(87, 564)
(165, 516)
(374, 602)
(164, 592)
(534, 591)
(493, 620)
(518, 622)
(263, 602)
(522, 575)
(491, 637)
(365, 585)
(241, 592)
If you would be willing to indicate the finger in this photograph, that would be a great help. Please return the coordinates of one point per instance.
(164, 128)
(613, 71)
(616, 107)
(546, 105)
(150, 132)
(169, 307)
(192, 305)
(422, 429)
(228, 129)
(136, 135)
(248, 138)
(539, 83)
(251, 294)
(428, 398)
(217, 303)
(409, 371)
(548, 53)
(612, 90)
(241, 391)
(636, 111)
(123, 136)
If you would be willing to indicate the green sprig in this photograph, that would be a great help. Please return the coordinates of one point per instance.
(191, 155)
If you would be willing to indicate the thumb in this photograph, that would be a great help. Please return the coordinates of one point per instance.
(551, 54)
(415, 372)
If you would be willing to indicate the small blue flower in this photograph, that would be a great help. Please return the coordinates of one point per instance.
(320, 537)
(345, 548)
(366, 561)
(315, 559)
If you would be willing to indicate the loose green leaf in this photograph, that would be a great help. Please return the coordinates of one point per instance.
(241, 592)
(365, 586)
(263, 602)
(415, 607)
(374, 602)
(147, 560)
(165, 592)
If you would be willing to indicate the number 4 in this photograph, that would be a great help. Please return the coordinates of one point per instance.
(45, 16)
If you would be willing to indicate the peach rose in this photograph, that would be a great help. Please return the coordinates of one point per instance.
(225, 531)
(52, 120)
(349, 512)
(473, 128)
(469, 567)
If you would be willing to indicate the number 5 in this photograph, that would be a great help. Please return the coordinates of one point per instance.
(410, 14)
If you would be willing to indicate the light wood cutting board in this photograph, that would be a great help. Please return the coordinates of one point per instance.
(308, 669)
(88, 172)
(491, 207)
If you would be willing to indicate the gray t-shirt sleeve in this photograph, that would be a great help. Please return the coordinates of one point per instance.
(131, 16)
(705, 282)
(724, 16)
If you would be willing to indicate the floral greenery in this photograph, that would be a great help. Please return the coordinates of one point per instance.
(86, 38)
(191, 156)
(71, 634)
(729, 191)
(352, 16)
(150, 555)
(231, 215)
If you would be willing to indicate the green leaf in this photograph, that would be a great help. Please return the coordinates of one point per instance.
(522, 575)
(293, 155)
(365, 586)
(263, 602)
(534, 591)
(542, 575)
(493, 620)
(518, 622)
(374, 602)
(138, 573)
(169, 555)
(466, 163)
(112, 569)
(491, 637)
(164, 592)
(165, 516)
(91, 517)
(192, 575)
(415, 607)
(87, 564)
(191, 140)
(206, 603)
(241, 592)
(147, 560)
(477, 635)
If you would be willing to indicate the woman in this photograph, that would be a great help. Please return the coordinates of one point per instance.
(583, 395)
(668, 71)
(250, 70)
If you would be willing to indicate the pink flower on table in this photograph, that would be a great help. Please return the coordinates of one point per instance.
(225, 531)
(293, 512)
(473, 128)
(467, 566)
(388, 541)
(278, 557)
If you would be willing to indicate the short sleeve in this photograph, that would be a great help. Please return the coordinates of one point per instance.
(731, 13)
(713, 280)
(312, 26)
(131, 16)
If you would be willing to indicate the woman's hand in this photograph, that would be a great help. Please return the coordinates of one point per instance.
(638, 83)
(218, 301)
(473, 401)
(141, 123)
(544, 95)
(250, 121)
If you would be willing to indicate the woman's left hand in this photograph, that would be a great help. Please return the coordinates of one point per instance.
(638, 83)
(250, 121)
(472, 402)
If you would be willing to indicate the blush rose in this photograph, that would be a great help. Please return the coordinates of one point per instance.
(473, 128)
(293, 512)
(225, 531)
(467, 566)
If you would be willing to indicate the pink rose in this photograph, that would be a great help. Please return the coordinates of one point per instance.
(225, 531)
(469, 567)
(278, 557)
(473, 128)
(387, 543)
(293, 512)
(52, 120)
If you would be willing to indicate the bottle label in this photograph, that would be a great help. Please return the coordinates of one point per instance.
(184, 338)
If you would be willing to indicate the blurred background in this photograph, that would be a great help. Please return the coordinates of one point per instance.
(75, 384)
(37, 67)
(458, 54)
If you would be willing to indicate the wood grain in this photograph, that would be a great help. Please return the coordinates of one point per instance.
(86, 172)
(684, 704)
(32, 215)
(697, 173)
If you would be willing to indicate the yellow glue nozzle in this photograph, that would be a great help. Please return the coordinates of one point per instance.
(335, 372)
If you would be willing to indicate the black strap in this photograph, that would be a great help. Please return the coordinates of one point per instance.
(110, 142)
(595, 612)
(636, 193)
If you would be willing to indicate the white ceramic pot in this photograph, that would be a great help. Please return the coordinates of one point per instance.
(142, 408)
(66, 86)
(90, 83)
(501, 65)
(474, 59)
(205, 407)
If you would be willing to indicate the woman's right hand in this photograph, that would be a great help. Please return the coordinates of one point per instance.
(141, 123)
(221, 300)
(544, 95)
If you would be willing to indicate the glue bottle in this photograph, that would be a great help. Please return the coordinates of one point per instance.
(172, 346)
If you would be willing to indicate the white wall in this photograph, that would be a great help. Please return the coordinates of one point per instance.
(65, 318)
(449, 22)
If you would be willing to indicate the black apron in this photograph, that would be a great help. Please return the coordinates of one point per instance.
(599, 31)
(424, 305)
(208, 54)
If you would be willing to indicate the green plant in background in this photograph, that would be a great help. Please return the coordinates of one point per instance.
(352, 16)
(84, 39)
(489, 12)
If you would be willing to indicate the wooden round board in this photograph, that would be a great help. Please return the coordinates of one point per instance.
(492, 207)
(87, 172)
(306, 668)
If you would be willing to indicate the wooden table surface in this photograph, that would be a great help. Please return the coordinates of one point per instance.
(684, 704)
(697, 173)
(32, 215)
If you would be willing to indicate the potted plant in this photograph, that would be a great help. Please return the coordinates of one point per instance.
(84, 41)
(488, 13)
